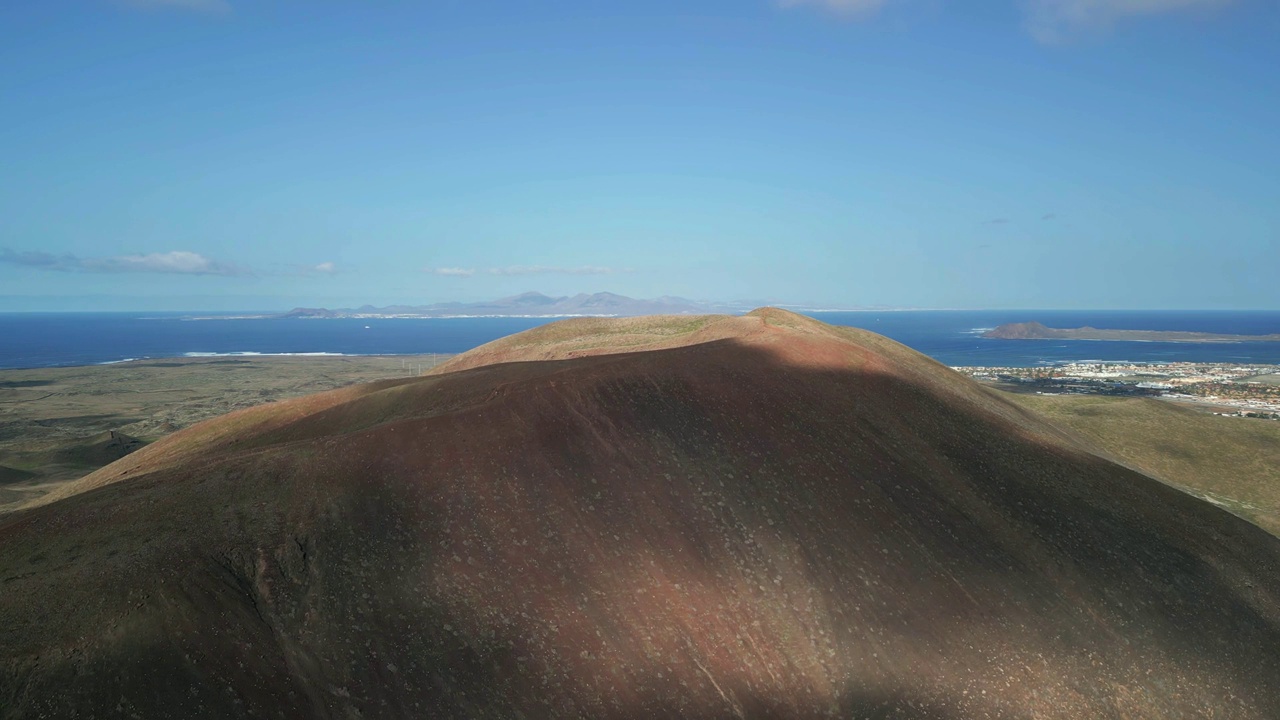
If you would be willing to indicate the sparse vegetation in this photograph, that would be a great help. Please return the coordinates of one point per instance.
(1233, 463)
(56, 424)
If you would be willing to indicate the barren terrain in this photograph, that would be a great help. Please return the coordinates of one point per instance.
(59, 424)
(760, 516)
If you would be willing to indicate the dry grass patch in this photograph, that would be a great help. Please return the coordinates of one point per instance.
(1232, 462)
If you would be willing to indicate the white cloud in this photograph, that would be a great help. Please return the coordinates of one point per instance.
(842, 7)
(204, 6)
(178, 262)
(324, 268)
(513, 270)
(1054, 21)
(545, 270)
(451, 272)
(1049, 21)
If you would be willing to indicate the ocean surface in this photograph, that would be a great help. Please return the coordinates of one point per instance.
(30, 340)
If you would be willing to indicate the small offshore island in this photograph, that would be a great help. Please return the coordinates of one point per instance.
(1037, 331)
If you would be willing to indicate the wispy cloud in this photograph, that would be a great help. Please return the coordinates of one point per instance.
(177, 262)
(1048, 21)
(202, 6)
(518, 270)
(548, 270)
(1048, 216)
(847, 8)
(1057, 21)
(324, 268)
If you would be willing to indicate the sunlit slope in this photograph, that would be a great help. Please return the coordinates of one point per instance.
(772, 518)
(1234, 462)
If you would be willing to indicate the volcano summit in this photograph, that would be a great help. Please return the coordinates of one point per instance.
(692, 516)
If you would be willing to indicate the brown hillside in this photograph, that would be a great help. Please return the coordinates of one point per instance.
(692, 517)
(1229, 461)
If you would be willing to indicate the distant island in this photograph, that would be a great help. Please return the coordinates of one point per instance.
(1037, 331)
(530, 304)
(539, 305)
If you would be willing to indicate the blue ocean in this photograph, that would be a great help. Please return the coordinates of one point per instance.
(29, 340)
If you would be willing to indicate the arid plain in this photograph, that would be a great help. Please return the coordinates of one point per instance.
(58, 424)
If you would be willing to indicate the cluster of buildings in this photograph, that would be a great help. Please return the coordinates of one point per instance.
(1249, 390)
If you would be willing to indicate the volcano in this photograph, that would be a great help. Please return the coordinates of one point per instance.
(702, 517)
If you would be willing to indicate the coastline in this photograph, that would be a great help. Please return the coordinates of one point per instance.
(951, 337)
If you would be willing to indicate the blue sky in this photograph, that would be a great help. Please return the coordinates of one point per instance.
(211, 154)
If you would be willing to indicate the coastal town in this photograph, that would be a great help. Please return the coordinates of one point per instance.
(1250, 390)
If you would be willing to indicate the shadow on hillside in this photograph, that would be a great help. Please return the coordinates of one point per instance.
(708, 531)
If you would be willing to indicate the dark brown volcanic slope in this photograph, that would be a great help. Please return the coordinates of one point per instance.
(768, 518)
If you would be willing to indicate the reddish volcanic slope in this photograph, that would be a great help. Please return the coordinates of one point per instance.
(763, 517)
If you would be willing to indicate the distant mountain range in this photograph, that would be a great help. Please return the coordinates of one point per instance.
(530, 304)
